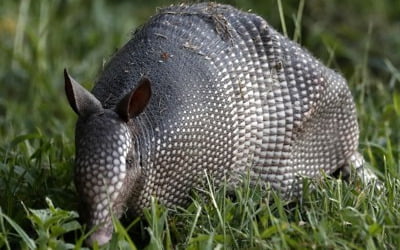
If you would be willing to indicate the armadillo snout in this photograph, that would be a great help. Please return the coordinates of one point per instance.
(101, 170)
(101, 237)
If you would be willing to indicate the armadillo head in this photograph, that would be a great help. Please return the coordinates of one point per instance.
(106, 165)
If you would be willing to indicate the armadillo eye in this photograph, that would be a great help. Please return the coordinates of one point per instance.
(129, 161)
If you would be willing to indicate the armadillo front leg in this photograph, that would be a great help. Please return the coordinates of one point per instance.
(356, 166)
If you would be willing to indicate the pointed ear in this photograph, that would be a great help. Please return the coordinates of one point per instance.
(134, 102)
(81, 101)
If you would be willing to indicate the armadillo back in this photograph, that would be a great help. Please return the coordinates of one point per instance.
(230, 94)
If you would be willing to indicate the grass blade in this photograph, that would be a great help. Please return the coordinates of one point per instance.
(30, 243)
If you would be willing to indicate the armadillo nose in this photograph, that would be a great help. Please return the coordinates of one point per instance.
(101, 237)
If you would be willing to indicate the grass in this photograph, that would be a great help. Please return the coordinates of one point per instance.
(37, 198)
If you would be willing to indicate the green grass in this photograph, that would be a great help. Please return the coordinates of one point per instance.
(38, 200)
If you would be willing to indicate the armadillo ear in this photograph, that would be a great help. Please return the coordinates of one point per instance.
(81, 101)
(134, 102)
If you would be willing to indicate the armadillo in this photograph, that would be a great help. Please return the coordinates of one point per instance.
(206, 89)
